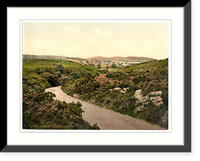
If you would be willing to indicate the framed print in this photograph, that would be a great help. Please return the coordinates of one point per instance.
(98, 79)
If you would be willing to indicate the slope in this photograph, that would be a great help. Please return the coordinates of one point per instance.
(117, 91)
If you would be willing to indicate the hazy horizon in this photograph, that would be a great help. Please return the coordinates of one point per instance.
(90, 39)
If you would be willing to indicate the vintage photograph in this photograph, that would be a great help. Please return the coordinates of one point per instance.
(95, 75)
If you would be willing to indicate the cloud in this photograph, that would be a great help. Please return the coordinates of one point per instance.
(100, 33)
(40, 46)
(72, 30)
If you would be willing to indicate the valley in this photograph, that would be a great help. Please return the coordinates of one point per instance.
(65, 94)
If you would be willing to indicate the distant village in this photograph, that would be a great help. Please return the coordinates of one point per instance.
(117, 63)
(95, 61)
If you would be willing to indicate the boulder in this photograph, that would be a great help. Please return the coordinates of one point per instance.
(156, 100)
(139, 108)
(124, 90)
(155, 93)
(76, 95)
(117, 89)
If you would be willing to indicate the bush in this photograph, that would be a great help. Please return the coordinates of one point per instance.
(49, 70)
(67, 70)
(110, 75)
(74, 75)
(153, 114)
(51, 78)
(86, 96)
(59, 68)
(74, 108)
(63, 79)
(99, 66)
(39, 70)
(114, 65)
(103, 71)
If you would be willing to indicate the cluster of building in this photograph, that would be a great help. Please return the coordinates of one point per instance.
(117, 63)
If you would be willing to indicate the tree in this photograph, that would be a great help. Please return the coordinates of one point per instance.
(91, 65)
(60, 68)
(114, 65)
(99, 66)
(107, 67)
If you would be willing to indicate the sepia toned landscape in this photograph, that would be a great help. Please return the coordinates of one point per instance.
(95, 76)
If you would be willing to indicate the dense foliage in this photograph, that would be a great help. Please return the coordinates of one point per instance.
(57, 72)
(40, 110)
(102, 90)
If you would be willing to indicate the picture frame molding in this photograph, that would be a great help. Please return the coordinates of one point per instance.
(126, 148)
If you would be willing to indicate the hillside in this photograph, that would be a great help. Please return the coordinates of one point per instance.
(146, 65)
(98, 58)
(61, 68)
(40, 110)
(117, 58)
(140, 91)
(51, 57)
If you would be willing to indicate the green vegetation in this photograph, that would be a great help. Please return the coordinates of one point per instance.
(116, 90)
(99, 66)
(57, 72)
(40, 110)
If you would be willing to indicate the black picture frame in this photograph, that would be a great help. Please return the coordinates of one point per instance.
(127, 148)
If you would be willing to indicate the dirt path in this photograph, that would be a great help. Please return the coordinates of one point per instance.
(105, 119)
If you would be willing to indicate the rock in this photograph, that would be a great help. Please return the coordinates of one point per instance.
(76, 95)
(155, 93)
(145, 99)
(116, 89)
(156, 100)
(139, 108)
(124, 90)
(138, 95)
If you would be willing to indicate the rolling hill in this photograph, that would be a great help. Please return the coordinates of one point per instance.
(118, 58)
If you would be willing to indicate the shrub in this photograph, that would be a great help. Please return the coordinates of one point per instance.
(59, 68)
(114, 65)
(99, 66)
(51, 78)
(67, 70)
(63, 79)
(110, 75)
(75, 109)
(39, 70)
(74, 75)
(49, 70)
(57, 74)
(86, 96)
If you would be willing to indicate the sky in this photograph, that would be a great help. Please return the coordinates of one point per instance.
(89, 39)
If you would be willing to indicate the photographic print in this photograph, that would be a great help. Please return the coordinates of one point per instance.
(95, 75)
